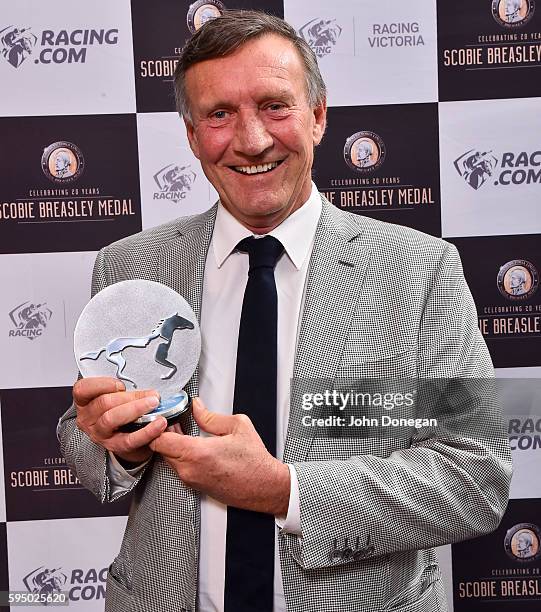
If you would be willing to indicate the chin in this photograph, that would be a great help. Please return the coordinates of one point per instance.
(261, 207)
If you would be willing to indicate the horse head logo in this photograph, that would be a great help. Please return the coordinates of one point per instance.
(321, 35)
(475, 167)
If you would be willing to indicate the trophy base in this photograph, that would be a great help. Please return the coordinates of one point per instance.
(172, 408)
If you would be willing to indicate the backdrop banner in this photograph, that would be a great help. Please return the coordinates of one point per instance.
(433, 123)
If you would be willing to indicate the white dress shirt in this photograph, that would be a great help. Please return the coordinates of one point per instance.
(226, 274)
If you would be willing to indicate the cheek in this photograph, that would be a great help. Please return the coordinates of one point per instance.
(295, 137)
(213, 144)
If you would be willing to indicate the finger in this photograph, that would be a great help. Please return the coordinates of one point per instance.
(176, 428)
(144, 436)
(112, 419)
(93, 411)
(87, 389)
(211, 422)
(173, 445)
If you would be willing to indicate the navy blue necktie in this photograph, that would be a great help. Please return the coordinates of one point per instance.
(249, 560)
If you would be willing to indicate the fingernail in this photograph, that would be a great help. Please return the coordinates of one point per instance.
(119, 385)
(152, 401)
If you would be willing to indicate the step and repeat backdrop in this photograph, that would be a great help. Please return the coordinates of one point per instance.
(434, 123)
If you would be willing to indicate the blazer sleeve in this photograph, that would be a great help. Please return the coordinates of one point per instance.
(439, 490)
(87, 459)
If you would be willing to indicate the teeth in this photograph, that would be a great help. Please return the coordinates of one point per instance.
(256, 169)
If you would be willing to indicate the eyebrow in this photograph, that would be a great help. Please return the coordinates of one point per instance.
(282, 94)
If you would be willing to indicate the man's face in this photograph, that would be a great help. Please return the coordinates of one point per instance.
(254, 131)
(516, 280)
(522, 543)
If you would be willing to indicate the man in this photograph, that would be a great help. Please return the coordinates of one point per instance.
(524, 545)
(357, 517)
(512, 10)
(364, 154)
(62, 164)
(518, 282)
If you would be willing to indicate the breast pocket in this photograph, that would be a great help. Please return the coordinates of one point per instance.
(358, 365)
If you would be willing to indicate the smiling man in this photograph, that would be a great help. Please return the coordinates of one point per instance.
(254, 131)
(240, 510)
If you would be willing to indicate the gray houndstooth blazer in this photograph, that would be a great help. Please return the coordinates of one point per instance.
(381, 301)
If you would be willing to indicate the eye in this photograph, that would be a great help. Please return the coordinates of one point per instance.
(277, 110)
(219, 115)
(276, 106)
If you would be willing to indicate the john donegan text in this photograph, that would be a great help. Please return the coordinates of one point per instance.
(340, 400)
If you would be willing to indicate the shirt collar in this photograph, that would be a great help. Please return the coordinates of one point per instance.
(296, 232)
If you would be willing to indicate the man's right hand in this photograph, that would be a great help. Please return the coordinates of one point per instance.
(103, 405)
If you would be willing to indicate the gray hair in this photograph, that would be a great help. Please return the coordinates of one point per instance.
(224, 35)
(512, 5)
(519, 274)
(527, 537)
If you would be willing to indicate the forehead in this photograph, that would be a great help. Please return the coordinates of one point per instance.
(269, 61)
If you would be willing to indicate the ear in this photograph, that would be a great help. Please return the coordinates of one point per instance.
(192, 137)
(320, 121)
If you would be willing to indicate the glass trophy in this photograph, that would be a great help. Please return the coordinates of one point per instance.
(146, 335)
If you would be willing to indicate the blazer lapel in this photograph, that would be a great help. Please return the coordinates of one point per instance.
(182, 267)
(337, 267)
(335, 276)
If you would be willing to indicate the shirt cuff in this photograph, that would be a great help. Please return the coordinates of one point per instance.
(120, 478)
(292, 521)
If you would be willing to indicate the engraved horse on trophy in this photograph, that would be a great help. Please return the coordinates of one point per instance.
(165, 329)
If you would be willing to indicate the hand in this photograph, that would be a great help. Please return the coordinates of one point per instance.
(103, 405)
(233, 466)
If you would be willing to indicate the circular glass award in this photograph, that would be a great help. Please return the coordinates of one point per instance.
(146, 335)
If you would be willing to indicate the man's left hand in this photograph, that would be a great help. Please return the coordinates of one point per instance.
(232, 466)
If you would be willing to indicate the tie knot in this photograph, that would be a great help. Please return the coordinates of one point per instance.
(263, 252)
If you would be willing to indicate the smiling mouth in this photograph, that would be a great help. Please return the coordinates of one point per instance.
(257, 169)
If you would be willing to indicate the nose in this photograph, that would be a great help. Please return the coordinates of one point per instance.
(251, 135)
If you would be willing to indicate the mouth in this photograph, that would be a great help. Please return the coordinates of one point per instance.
(257, 169)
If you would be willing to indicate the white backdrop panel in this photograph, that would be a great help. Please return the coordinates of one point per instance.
(57, 285)
(76, 550)
(384, 52)
(524, 436)
(446, 566)
(497, 200)
(172, 181)
(58, 66)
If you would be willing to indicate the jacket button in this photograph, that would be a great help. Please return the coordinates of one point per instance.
(347, 553)
(362, 553)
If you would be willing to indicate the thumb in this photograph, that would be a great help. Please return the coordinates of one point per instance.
(172, 445)
(211, 422)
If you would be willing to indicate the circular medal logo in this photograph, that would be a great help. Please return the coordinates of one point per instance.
(62, 162)
(512, 13)
(518, 279)
(523, 543)
(202, 11)
(364, 152)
